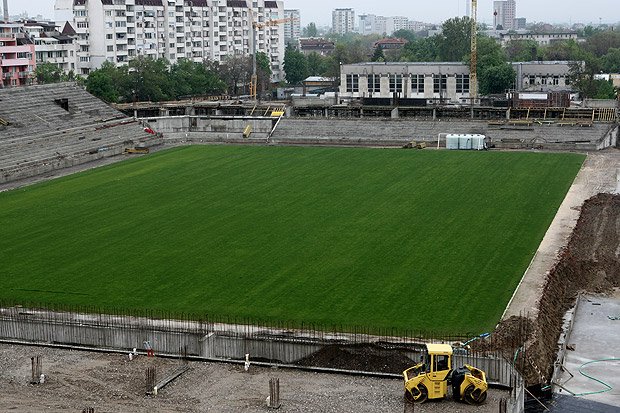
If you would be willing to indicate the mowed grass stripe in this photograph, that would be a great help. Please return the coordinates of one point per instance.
(430, 240)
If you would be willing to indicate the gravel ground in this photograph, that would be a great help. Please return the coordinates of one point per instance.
(111, 383)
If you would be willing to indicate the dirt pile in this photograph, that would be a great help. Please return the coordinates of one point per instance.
(590, 263)
(363, 357)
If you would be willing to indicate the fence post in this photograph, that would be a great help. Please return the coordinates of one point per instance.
(274, 394)
(37, 370)
(151, 373)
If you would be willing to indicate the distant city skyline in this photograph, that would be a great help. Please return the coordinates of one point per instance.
(320, 11)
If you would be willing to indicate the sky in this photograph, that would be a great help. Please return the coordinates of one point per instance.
(430, 11)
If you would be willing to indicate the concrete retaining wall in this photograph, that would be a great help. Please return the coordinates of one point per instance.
(396, 132)
(216, 125)
(208, 340)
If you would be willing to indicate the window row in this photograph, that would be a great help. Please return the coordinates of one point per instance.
(440, 83)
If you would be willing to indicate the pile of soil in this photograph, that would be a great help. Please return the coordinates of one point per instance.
(360, 357)
(590, 263)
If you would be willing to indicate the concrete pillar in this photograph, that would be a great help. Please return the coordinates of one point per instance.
(190, 110)
(395, 114)
(451, 85)
(385, 87)
(434, 113)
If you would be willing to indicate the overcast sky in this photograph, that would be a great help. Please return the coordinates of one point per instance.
(431, 11)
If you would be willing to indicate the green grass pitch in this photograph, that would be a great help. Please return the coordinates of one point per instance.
(420, 240)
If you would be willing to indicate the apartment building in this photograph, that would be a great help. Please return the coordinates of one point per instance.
(120, 30)
(343, 21)
(292, 28)
(53, 46)
(17, 57)
(373, 24)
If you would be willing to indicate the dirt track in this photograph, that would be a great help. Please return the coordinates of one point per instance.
(112, 383)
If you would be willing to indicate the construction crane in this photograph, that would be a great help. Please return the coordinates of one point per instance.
(255, 27)
(473, 68)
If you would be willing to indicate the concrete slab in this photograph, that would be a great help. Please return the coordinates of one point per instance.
(597, 175)
(595, 336)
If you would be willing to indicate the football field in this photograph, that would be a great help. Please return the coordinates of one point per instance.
(422, 240)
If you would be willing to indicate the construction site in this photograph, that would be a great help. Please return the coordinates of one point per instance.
(84, 359)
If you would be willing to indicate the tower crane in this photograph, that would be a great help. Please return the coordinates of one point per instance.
(255, 27)
(473, 68)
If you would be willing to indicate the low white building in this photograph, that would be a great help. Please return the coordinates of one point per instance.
(437, 80)
(446, 81)
(543, 39)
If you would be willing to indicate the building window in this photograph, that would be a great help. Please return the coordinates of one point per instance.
(543, 80)
(462, 83)
(353, 83)
(440, 83)
(374, 83)
(556, 80)
(396, 83)
(417, 83)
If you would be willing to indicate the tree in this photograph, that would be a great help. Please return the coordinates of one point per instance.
(189, 78)
(495, 75)
(600, 43)
(404, 34)
(149, 80)
(236, 72)
(611, 61)
(581, 75)
(522, 50)
(604, 90)
(295, 66)
(496, 79)
(263, 72)
(310, 30)
(105, 82)
(421, 50)
(454, 42)
(565, 50)
(317, 65)
(48, 73)
(378, 55)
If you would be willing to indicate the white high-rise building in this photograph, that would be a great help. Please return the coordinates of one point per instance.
(120, 30)
(292, 28)
(504, 14)
(343, 21)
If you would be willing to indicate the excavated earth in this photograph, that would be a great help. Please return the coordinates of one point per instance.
(590, 263)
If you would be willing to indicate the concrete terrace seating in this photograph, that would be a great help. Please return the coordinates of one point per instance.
(397, 132)
(33, 109)
(42, 136)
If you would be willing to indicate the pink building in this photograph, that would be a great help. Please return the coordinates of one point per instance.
(17, 57)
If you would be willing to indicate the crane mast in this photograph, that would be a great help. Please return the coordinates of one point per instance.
(473, 68)
(255, 27)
